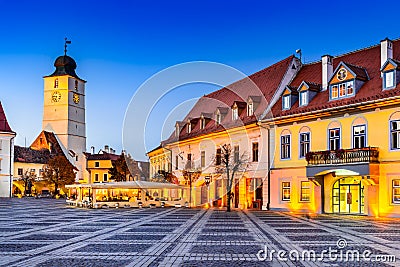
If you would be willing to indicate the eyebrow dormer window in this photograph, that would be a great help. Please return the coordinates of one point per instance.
(388, 79)
(303, 98)
(286, 102)
(235, 114)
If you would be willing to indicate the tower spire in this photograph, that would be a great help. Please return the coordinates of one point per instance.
(67, 42)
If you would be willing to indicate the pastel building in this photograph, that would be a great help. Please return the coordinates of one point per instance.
(227, 116)
(336, 135)
(6, 155)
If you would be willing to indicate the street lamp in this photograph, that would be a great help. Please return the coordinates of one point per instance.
(207, 180)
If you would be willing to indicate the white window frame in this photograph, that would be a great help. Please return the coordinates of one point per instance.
(342, 90)
(385, 75)
(394, 132)
(303, 98)
(359, 136)
(286, 102)
(339, 137)
(202, 123)
(285, 146)
(286, 187)
(305, 145)
(235, 113)
(305, 188)
(396, 187)
(250, 109)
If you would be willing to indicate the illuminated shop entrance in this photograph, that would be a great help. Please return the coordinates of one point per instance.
(348, 196)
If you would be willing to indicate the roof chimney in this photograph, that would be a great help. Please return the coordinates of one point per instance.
(92, 149)
(107, 148)
(386, 50)
(327, 70)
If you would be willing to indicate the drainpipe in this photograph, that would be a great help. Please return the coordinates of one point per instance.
(11, 160)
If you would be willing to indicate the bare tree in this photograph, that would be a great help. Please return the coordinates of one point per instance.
(59, 171)
(28, 178)
(230, 163)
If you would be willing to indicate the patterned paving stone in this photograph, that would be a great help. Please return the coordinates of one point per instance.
(224, 238)
(136, 237)
(47, 237)
(223, 263)
(114, 248)
(19, 247)
(221, 249)
(82, 262)
(174, 236)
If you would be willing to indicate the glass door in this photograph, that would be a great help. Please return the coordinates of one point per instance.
(348, 196)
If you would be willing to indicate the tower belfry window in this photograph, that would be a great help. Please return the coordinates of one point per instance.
(76, 85)
(56, 83)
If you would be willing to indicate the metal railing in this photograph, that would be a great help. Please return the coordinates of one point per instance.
(343, 156)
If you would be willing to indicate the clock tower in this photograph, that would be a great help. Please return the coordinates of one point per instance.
(64, 110)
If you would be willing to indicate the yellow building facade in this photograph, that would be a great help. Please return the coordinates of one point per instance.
(337, 146)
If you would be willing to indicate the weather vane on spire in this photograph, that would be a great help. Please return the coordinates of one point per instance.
(67, 42)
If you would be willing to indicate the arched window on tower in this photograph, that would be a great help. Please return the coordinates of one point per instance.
(56, 83)
(76, 85)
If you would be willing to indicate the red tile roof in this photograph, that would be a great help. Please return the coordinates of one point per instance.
(267, 80)
(103, 156)
(368, 59)
(4, 126)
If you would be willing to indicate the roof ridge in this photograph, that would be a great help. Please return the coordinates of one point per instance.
(351, 52)
(255, 74)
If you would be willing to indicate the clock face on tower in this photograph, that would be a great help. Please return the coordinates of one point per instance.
(56, 97)
(75, 98)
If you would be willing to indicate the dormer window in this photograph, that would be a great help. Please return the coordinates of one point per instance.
(347, 80)
(388, 79)
(235, 113)
(303, 98)
(202, 123)
(218, 118)
(286, 102)
(341, 90)
(250, 109)
(390, 73)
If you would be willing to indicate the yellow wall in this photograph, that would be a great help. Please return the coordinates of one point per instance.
(104, 166)
(378, 135)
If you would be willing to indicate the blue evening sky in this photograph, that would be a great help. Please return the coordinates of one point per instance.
(119, 44)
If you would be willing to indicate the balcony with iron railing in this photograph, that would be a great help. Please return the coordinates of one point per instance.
(343, 156)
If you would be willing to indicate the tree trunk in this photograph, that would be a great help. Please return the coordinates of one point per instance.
(228, 206)
(55, 189)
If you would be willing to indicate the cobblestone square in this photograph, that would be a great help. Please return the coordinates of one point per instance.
(47, 232)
